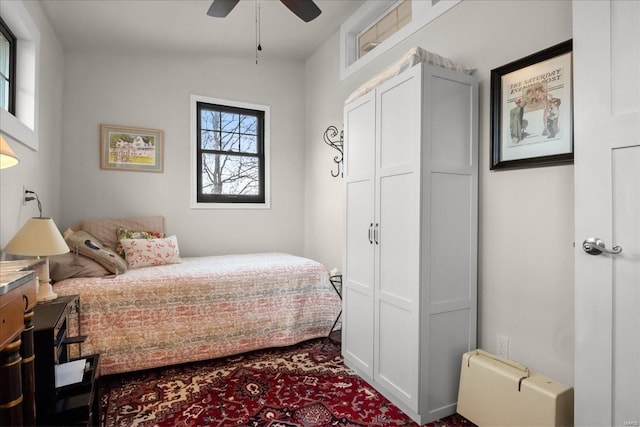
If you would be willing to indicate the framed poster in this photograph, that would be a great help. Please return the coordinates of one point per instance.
(131, 148)
(532, 110)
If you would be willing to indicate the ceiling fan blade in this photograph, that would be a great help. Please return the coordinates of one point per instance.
(306, 10)
(221, 8)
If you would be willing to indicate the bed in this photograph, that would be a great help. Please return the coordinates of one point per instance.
(196, 308)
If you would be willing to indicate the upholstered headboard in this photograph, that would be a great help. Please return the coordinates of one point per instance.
(83, 262)
(105, 229)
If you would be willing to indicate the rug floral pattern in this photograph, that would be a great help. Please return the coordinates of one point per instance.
(300, 386)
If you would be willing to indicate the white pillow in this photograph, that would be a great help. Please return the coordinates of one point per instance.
(144, 252)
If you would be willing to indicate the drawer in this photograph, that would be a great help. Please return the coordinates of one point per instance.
(11, 316)
(30, 291)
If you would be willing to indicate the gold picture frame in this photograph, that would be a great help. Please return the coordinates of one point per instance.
(127, 148)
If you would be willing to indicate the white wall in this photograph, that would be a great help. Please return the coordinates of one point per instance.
(39, 170)
(153, 91)
(525, 289)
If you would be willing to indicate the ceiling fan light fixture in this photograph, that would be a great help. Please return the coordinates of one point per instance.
(306, 10)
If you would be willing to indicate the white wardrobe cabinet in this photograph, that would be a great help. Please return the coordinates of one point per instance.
(409, 280)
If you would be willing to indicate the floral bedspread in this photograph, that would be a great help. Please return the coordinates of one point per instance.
(203, 308)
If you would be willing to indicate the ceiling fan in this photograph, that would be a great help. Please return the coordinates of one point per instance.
(306, 10)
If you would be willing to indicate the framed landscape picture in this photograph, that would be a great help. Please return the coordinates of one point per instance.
(131, 148)
(532, 110)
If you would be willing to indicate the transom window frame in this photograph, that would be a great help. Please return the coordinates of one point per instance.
(372, 11)
(228, 202)
(11, 58)
(387, 24)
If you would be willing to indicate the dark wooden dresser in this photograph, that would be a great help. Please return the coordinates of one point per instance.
(17, 300)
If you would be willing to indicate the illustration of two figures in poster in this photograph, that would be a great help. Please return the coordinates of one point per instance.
(534, 118)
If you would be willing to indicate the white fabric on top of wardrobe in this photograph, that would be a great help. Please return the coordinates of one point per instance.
(414, 56)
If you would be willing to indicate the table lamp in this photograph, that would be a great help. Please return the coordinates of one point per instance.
(39, 237)
(7, 157)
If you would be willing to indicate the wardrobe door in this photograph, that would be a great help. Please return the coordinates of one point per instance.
(397, 237)
(357, 326)
(450, 217)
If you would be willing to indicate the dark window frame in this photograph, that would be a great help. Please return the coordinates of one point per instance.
(13, 49)
(201, 197)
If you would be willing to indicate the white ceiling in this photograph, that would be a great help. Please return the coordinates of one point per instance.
(183, 25)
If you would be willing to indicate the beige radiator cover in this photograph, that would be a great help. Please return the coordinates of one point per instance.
(499, 392)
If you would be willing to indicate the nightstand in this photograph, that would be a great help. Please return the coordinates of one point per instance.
(56, 328)
(336, 282)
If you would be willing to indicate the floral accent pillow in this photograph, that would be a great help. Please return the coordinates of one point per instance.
(149, 252)
(123, 233)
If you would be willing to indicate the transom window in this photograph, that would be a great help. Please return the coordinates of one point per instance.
(379, 25)
(384, 27)
(230, 154)
(7, 68)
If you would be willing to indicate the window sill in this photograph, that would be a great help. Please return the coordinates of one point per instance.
(239, 206)
(15, 129)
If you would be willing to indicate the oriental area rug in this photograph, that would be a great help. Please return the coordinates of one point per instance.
(299, 386)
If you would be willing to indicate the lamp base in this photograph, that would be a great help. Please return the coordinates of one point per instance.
(45, 292)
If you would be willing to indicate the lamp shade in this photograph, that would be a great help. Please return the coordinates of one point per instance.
(38, 237)
(7, 157)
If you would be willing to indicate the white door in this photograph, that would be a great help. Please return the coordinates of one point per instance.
(357, 294)
(397, 235)
(606, 47)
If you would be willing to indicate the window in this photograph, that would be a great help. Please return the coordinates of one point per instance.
(230, 153)
(7, 68)
(379, 25)
(386, 26)
(21, 124)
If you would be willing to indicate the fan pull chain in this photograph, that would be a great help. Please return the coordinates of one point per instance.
(258, 45)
